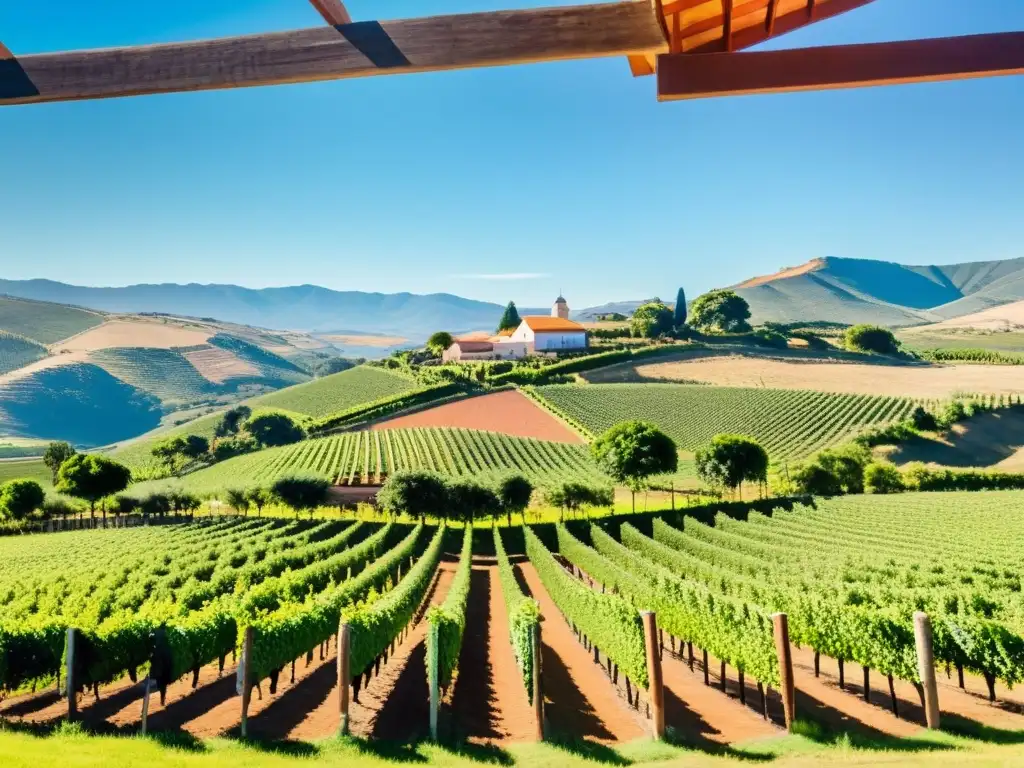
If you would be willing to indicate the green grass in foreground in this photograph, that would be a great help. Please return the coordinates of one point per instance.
(68, 747)
(29, 469)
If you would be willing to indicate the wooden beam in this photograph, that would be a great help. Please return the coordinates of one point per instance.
(772, 12)
(333, 11)
(5, 52)
(727, 24)
(690, 76)
(361, 49)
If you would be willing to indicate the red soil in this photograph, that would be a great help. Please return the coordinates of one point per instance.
(579, 700)
(489, 703)
(510, 413)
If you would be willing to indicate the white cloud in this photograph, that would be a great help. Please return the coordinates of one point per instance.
(503, 276)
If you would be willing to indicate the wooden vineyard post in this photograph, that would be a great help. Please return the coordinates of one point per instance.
(147, 686)
(926, 667)
(780, 622)
(69, 675)
(538, 690)
(657, 691)
(435, 687)
(245, 679)
(344, 674)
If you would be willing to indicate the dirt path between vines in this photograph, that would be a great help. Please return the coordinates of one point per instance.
(579, 700)
(489, 704)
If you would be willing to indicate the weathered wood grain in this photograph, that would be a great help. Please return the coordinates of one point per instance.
(333, 11)
(694, 76)
(360, 49)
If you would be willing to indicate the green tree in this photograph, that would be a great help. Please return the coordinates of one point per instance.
(650, 320)
(515, 491)
(882, 477)
(183, 501)
(20, 498)
(731, 460)
(814, 479)
(238, 500)
(632, 451)
(469, 500)
(721, 311)
(231, 422)
(91, 477)
(56, 454)
(271, 428)
(439, 342)
(871, 338)
(510, 318)
(679, 314)
(259, 498)
(571, 496)
(176, 452)
(419, 493)
(301, 492)
(156, 503)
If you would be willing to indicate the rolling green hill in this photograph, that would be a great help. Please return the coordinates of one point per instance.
(862, 290)
(43, 322)
(338, 392)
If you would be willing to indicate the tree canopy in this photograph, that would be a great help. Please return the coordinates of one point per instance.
(20, 498)
(730, 460)
(270, 428)
(177, 451)
(509, 318)
(439, 342)
(300, 492)
(231, 422)
(514, 491)
(679, 314)
(721, 311)
(56, 454)
(91, 477)
(632, 451)
(871, 338)
(571, 496)
(651, 320)
(469, 500)
(420, 493)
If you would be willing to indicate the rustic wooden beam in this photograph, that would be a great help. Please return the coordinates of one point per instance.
(727, 24)
(692, 76)
(333, 11)
(5, 52)
(361, 49)
(771, 13)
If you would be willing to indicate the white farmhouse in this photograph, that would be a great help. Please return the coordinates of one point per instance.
(556, 333)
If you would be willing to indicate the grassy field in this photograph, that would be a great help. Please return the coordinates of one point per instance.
(45, 323)
(25, 469)
(789, 423)
(68, 748)
(338, 392)
(998, 341)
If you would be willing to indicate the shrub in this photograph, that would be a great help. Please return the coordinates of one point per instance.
(768, 338)
(272, 428)
(923, 419)
(882, 477)
(20, 498)
(871, 338)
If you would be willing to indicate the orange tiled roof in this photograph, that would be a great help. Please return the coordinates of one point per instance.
(543, 323)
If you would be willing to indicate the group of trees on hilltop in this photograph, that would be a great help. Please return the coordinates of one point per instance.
(422, 494)
(719, 311)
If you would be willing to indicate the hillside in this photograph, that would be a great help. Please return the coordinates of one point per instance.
(862, 290)
(306, 307)
(42, 322)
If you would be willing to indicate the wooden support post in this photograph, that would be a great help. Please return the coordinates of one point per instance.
(434, 682)
(147, 687)
(926, 668)
(867, 684)
(657, 691)
(69, 675)
(344, 674)
(707, 678)
(782, 649)
(538, 690)
(333, 11)
(244, 684)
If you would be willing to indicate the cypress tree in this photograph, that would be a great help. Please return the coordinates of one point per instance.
(510, 318)
(679, 318)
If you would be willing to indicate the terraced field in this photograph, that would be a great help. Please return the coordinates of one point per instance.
(789, 423)
(339, 392)
(163, 372)
(354, 458)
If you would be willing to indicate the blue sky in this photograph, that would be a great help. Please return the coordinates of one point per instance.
(566, 175)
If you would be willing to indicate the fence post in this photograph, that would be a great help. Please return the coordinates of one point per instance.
(147, 686)
(435, 689)
(538, 690)
(926, 667)
(657, 691)
(780, 622)
(69, 675)
(344, 673)
(245, 679)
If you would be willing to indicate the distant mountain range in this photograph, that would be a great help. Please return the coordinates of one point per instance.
(307, 308)
(861, 290)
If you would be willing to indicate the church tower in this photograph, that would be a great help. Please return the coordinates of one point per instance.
(561, 308)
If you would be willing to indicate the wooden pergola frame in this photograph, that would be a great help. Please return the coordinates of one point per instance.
(695, 47)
